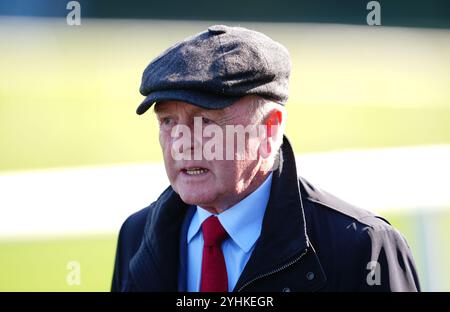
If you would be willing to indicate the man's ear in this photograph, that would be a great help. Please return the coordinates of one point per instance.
(272, 125)
(273, 122)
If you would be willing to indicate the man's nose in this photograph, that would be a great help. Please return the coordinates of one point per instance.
(186, 140)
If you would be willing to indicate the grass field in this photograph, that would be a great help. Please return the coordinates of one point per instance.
(41, 265)
(68, 94)
(68, 97)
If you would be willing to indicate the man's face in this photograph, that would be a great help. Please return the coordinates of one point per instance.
(213, 184)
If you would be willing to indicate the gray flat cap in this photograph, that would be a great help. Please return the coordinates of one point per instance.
(216, 67)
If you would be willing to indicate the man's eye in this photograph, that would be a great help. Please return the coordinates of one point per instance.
(207, 121)
(167, 121)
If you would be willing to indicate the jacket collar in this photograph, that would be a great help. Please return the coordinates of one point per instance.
(155, 265)
(283, 234)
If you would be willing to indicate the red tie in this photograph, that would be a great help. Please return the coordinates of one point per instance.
(214, 272)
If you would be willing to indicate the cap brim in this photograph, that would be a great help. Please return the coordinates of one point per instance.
(201, 99)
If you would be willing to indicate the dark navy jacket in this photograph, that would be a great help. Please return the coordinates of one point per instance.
(310, 241)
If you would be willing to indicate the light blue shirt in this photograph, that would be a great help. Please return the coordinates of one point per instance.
(243, 223)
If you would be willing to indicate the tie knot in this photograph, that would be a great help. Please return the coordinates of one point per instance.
(213, 232)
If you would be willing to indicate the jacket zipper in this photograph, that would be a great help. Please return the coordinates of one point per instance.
(274, 271)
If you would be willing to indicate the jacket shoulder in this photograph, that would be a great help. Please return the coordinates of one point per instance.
(129, 240)
(368, 241)
(340, 207)
(133, 227)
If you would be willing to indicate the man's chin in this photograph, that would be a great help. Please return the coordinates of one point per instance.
(192, 199)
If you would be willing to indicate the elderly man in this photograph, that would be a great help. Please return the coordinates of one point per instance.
(235, 216)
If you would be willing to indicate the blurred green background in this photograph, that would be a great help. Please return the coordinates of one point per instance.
(68, 96)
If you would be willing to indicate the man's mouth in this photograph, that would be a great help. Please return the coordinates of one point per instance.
(195, 171)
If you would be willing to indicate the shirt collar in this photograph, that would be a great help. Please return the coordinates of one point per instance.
(243, 221)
